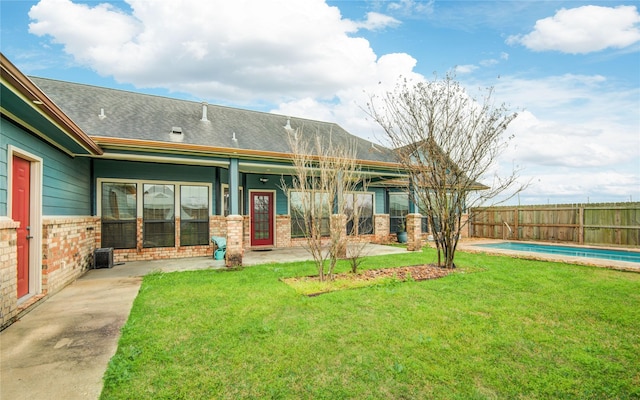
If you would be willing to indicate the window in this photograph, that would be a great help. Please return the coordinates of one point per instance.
(119, 215)
(318, 205)
(422, 209)
(359, 211)
(120, 206)
(158, 215)
(194, 215)
(226, 209)
(398, 210)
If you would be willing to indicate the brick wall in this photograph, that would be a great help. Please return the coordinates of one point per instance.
(217, 227)
(67, 250)
(8, 268)
(381, 227)
(246, 231)
(283, 231)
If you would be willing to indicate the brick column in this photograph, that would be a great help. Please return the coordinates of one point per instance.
(414, 232)
(283, 231)
(234, 241)
(8, 268)
(381, 227)
(338, 226)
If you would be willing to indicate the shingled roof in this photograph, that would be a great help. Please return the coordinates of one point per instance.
(111, 113)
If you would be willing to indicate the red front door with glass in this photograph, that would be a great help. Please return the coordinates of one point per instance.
(20, 192)
(261, 218)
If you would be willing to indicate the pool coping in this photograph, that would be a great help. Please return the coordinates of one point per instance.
(471, 246)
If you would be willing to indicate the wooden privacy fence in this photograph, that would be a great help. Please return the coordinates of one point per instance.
(599, 224)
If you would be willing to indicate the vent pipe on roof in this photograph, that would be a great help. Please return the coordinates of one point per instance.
(204, 112)
(290, 130)
(176, 134)
(288, 127)
(102, 115)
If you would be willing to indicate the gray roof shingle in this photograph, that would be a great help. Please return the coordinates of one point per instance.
(132, 115)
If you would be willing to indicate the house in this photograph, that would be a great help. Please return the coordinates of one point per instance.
(85, 167)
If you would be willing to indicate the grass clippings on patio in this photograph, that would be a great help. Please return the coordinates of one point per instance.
(312, 286)
(520, 329)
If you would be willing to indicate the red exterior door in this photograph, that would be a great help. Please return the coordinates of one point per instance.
(20, 213)
(262, 218)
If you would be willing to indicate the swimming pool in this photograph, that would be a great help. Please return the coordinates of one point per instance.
(617, 255)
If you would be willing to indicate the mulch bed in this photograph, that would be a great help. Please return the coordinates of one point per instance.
(417, 273)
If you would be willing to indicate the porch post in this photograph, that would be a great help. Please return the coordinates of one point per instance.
(412, 196)
(234, 187)
(235, 234)
(235, 238)
(414, 232)
(338, 225)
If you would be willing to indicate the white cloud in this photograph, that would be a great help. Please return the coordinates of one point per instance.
(465, 69)
(578, 137)
(238, 51)
(412, 7)
(584, 30)
(303, 59)
(376, 21)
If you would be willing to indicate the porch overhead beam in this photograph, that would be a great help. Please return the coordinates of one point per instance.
(274, 169)
(166, 160)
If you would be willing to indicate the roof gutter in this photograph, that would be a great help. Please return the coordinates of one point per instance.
(32, 94)
(172, 147)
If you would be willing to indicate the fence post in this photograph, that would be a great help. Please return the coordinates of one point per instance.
(581, 225)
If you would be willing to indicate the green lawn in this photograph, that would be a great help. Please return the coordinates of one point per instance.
(505, 328)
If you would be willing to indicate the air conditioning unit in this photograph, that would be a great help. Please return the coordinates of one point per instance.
(103, 258)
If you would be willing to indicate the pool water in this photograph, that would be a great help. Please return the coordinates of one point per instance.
(617, 255)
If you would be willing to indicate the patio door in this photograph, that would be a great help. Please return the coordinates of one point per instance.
(262, 218)
(21, 204)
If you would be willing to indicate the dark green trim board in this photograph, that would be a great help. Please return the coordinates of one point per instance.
(153, 171)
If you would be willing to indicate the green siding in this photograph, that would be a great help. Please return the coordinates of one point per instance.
(282, 200)
(379, 199)
(153, 171)
(65, 181)
(253, 183)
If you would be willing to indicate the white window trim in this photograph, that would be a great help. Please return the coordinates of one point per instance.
(140, 189)
(373, 202)
(224, 186)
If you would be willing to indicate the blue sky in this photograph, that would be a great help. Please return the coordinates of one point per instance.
(570, 68)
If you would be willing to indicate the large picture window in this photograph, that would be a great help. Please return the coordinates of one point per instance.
(122, 203)
(359, 212)
(398, 210)
(159, 215)
(119, 202)
(319, 203)
(194, 215)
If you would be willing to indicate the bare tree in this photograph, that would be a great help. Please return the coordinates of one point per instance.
(448, 142)
(324, 171)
